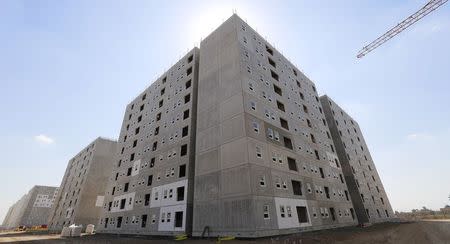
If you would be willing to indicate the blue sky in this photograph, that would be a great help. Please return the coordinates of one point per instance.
(68, 69)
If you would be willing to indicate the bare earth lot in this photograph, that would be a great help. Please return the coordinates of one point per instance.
(408, 233)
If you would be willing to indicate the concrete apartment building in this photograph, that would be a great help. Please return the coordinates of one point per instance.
(81, 195)
(264, 157)
(150, 188)
(366, 189)
(32, 209)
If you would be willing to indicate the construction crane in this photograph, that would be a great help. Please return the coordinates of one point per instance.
(424, 11)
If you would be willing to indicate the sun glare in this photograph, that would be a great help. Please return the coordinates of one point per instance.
(210, 18)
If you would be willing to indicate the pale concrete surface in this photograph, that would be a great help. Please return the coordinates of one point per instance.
(435, 232)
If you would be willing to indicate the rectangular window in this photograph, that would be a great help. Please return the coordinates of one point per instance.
(277, 90)
(269, 50)
(280, 106)
(313, 139)
(125, 188)
(129, 171)
(161, 103)
(158, 117)
(187, 98)
(147, 199)
(178, 219)
(297, 187)
(190, 58)
(142, 107)
(119, 222)
(136, 131)
(143, 220)
(182, 171)
(284, 123)
(150, 180)
(156, 131)
(186, 114)
(180, 193)
(155, 146)
(317, 154)
(333, 214)
(321, 173)
(152, 162)
(271, 62)
(134, 143)
(274, 75)
(185, 131)
(132, 157)
(122, 203)
(305, 109)
(113, 190)
(139, 118)
(189, 71)
(346, 195)
(327, 192)
(188, 84)
(292, 164)
(163, 91)
(183, 150)
(288, 143)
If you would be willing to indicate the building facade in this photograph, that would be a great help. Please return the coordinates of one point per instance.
(366, 189)
(265, 163)
(33, 209)
(81, 195)
(150, 189)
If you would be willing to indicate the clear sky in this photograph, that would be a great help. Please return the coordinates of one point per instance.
(68, 69)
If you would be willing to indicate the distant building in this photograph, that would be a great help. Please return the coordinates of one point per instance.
(32, 209)
(82, 189)
(445, 210)
(366, 189)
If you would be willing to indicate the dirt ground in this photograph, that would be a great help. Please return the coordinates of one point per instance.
(398, 233)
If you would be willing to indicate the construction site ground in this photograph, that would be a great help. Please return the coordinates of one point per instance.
(398, 233)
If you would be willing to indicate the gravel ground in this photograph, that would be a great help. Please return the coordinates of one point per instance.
(408, 233)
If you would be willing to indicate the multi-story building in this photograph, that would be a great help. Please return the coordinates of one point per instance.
(366, 189)
(265, 163)
(150, 188)
(250, 155)
(81, 195)
(32, 209)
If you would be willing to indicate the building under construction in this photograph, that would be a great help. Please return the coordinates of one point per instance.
(32, 209)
